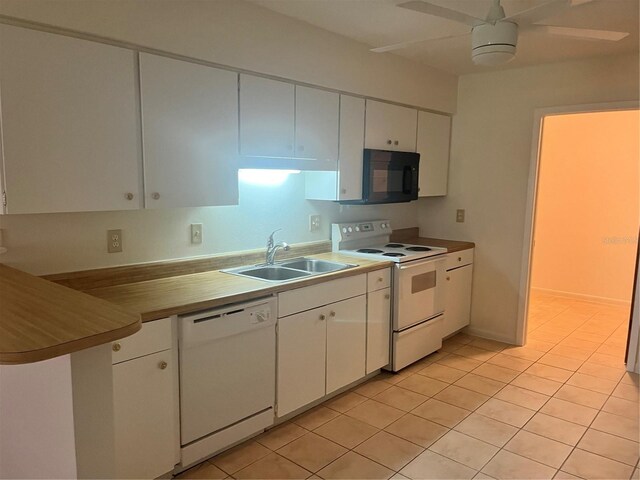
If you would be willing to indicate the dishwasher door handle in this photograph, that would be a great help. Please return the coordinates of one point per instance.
(198, 329)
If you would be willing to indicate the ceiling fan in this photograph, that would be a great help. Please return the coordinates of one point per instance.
(494, 39)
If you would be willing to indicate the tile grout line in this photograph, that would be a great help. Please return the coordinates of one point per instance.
(448, 352)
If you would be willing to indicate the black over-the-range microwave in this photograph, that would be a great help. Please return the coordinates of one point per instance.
(388, 177)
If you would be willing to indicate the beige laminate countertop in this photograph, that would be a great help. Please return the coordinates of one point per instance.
(40, 320)
(154, 299)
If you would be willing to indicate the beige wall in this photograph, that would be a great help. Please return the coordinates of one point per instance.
(240, 35)
(587, 208)
(490, 160)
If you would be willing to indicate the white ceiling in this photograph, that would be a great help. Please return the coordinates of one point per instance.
(380, 22)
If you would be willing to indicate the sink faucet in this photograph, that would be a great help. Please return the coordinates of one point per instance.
(272, 247)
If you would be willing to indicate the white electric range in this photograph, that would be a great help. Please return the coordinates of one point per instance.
(418, 286)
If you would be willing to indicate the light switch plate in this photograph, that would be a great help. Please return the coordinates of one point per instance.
(196, 233)
(114, 241)
(460, 215)
(314, 223)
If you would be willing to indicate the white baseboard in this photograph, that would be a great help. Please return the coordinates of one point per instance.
(582, 296)
(488, 334)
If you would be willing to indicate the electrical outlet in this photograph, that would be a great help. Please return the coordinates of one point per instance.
(196, 233)
(314, 223)
(460, 215)
(114, 241)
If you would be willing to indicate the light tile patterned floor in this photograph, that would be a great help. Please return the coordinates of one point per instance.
(560, 407)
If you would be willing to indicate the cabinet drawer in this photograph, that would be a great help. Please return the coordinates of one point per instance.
(378, 280)
(415, 343)
(306, 298)
(459, 259)
(153, 337)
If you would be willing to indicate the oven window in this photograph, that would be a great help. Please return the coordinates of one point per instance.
(422, 282)
(387, 180)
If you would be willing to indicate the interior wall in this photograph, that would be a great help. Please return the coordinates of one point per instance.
(51, 243)
(588, 205)
(243, 35)
(240, 35)
(489, 169)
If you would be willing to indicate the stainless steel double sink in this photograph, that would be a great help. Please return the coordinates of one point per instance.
(289, 269)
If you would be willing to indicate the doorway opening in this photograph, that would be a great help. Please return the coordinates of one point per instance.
(584, 239)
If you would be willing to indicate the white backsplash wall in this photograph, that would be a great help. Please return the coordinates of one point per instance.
(51, 243)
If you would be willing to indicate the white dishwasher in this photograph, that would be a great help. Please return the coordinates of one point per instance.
(227, 376)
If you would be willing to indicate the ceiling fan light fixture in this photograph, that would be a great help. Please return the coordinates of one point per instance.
(494, 44)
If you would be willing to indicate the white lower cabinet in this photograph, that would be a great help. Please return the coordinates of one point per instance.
(145, 405)
(378, 329)
(457, 313)
(346, 341)
(302, 341)
(321, 340)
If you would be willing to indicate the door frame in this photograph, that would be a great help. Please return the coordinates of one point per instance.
(539, 115)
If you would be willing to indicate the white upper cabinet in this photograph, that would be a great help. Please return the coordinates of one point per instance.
(434, 132)
(316, 124)
(267, 112)
(70, 124)
(345, 182)
(286, 126)
(390, 127)
(190, 126)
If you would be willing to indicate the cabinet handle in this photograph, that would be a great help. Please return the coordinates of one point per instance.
(389, 142)
(129, 196)
(396, 142)
(323, 317)
(116, 347)
(163, 365)
(343, 191)
(387, 296)
(448, 278)
(155, 195)
(459, 259)
(380, 279)
(332, 314)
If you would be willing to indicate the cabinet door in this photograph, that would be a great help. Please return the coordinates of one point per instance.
(190, 125)
(144, 404)
(71, 131)
(316, 122)
(301, 359)
(390, 127)
(434, 132)
(378, 329)
(345, 183)
(458, 299)
(351, 147)
(266, 117)
(346, 342)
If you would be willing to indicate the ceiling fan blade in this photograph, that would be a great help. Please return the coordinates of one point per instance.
(438, 11)
(409, 43)
(540, 12)
(582, 33)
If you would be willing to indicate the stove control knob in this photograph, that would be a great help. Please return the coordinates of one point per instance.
(383, 225)
(350, 229)
(357, 229)
(344, 229)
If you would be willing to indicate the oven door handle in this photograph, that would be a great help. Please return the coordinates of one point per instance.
(432, 264)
